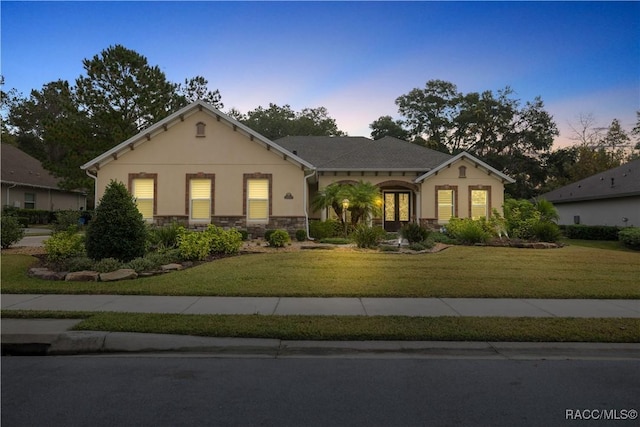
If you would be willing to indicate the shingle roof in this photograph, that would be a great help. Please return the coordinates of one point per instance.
(622, 181)
(20, 168)
(360, 153)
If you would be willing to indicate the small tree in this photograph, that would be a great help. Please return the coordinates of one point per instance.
(12, 232)
(118, 230)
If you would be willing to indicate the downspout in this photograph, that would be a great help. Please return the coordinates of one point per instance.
(305, 201)
(95, 188)
(8, 188)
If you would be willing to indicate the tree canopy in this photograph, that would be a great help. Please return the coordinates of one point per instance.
(496, 127)
(276, 122)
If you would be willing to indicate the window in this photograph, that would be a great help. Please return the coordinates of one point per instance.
(29, 200)
(143, 190)
(257, 199)
(200, 199)
(479, 203)
(445, 205)
(462, 172)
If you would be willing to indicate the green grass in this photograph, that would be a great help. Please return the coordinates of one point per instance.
(570, 272)
(520, 329)
(613, 245)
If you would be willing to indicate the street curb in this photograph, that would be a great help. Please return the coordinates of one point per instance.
(97, 342)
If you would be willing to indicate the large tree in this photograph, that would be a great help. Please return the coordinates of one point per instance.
(495, 127)
(276, 122)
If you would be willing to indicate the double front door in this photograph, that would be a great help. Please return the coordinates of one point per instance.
(397, 209)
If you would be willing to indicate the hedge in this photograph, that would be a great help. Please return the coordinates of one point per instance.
(590, 232)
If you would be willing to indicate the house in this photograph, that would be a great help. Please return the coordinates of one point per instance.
(200, 166)
(26, 184)
(607, 198)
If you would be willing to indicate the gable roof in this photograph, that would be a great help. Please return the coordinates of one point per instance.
(622, 181)
(148, 133)
(20, 168)
(479, 163)
(349, 153)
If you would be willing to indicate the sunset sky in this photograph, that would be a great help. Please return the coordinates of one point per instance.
(354, 58)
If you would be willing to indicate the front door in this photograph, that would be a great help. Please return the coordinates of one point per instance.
(396, 209)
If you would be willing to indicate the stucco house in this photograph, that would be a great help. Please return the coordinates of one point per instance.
(27, 185)
(201, 166)
(607, 198)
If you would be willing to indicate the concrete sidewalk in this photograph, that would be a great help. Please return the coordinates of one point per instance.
(53, 336)
(422, 307)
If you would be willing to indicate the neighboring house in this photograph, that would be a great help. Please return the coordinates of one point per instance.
(201, 166)
(26, 184)
(607, 198)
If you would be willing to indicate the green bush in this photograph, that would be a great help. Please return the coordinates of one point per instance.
(66, 220)
(165, 237)
(79, 263)
(389, 248)
(467, 231)
(591, 232)
(194, 245)
(367, 237)
(301, 235)
(441, 238)
(142, 264)
(32, 216)
(414, 233)
(63, 245)
(279, 238)
(545, 231)
(107, 265)
(23, 221)
(11, 231)
(223, 241)
(323, 229)
(244, 234)
(630, 237)
(118, 229)
(267, 234)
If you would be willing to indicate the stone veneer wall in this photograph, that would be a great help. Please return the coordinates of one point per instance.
(291, 224)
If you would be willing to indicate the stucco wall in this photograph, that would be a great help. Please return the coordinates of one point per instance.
(475, 177)
(46, 199)
(602, 212)
(226, 153)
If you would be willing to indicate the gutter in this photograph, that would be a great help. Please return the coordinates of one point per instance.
(305, 201)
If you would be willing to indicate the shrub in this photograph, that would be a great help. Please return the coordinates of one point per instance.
(389, 248)
(591, 232)
(367, 237)
(194, 245)
(467, 231)
(323, 229)
(118, 229)
(11, 230)
(63, 245)
(223, 241)
(165, 237)
(267, 234)
(106, 265)
(301, 235)
(244, 234)
(414, 233)
(441, 238)
(546, 231)
(66, 220)
(630, 237)
(279, 238)
(142, 264)
(79, 263)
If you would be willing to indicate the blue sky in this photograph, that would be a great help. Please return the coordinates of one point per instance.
(354, 58)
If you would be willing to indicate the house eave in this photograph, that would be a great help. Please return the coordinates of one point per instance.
(44, 187)
(592, 198)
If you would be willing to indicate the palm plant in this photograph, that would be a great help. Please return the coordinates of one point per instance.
(364, 201)
(330, 196)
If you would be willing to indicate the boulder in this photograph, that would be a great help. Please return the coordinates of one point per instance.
(45, 274)
(122, 274)
(171, 267)
(82, 276)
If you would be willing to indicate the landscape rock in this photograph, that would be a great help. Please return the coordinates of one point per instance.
(171, 267)
(82, 276)
(44, 273)
(122, 274)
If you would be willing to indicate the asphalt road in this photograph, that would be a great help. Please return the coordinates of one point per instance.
(170, 390)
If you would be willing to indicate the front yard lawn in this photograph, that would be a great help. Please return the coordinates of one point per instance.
(460, 271)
